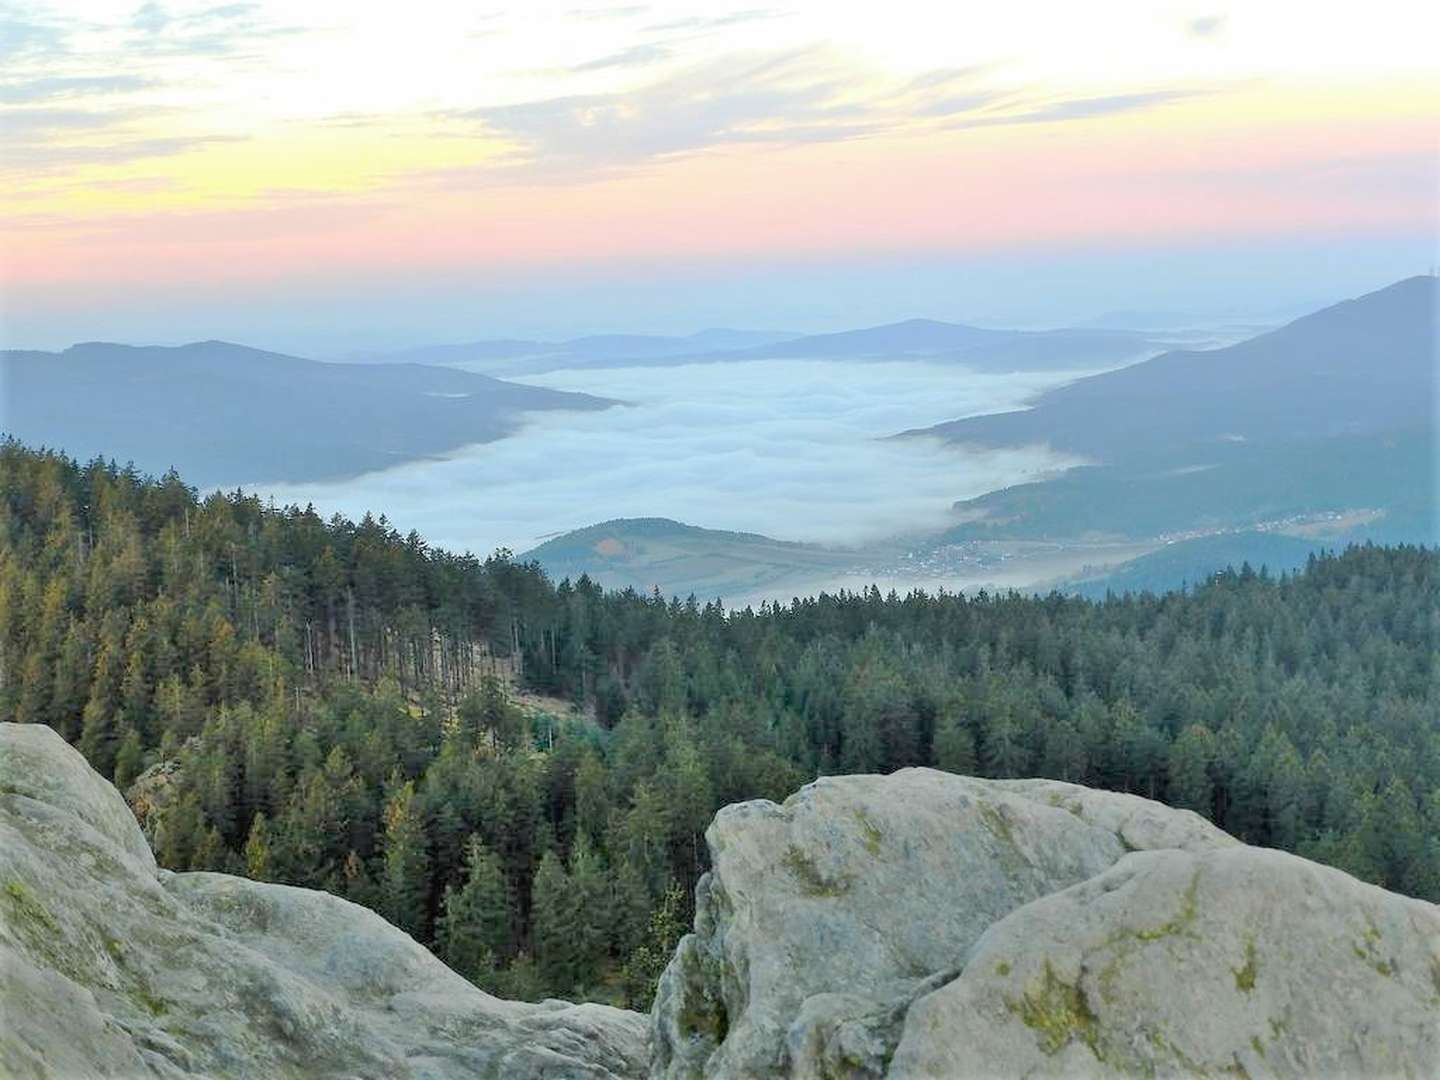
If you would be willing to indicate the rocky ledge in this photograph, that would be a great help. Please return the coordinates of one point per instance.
(912, 925)
(928, 925)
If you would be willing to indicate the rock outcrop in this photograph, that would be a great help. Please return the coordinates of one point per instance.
(110, 967)
(929, 925)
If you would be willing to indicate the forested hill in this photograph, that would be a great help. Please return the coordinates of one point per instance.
(228, 414)
(321, 692)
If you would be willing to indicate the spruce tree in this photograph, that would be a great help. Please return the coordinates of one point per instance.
(554, 919)
(474, 931)
(257, 849)
(405, 873)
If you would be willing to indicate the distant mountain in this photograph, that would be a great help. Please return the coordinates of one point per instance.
(518, 356)
(913, 336)
(680, 560)
(646, 346)
(228, 414)
(1189, 563)
(1359, 367)
(971, 346)
(975, 347)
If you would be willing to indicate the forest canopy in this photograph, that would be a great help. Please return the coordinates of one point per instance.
(332, 704)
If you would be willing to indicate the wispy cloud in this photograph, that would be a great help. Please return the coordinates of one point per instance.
(39, 140)
(25, 33)
(635, 56)
(1206, 26)
(716, 22)
(49, 88)
(799, 96)
(220, 30)
(1085, 108)
(600, 14)
(795, 96)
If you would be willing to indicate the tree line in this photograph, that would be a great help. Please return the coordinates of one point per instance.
(329, 703)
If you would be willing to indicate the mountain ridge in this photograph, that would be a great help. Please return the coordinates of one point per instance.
(1298, 380)
(229, 413)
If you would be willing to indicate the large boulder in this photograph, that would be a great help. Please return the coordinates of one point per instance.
(923, 924)
(110, 967)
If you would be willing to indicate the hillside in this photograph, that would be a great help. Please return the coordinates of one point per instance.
(1341, 488)
(916, 924)
(1357, 368)
(682, 560)
(1190, 563)
(226, 414)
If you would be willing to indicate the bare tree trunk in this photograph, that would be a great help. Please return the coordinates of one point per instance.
(350, 611)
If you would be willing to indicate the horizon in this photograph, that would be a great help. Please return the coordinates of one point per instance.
(1253, 319)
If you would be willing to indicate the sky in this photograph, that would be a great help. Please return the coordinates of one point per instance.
(335, 175)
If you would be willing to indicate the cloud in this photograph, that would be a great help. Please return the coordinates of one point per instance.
(39, 140)
(24, 34)
(150, 18)
(635, 56)
(1206, 26)
(716, 22)
(733, 446)
(796, 97)
(26, 91)
(220, 30)
(38, 158)
(626, 11)
(1080, 108)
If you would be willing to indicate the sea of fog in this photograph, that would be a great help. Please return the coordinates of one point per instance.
(788, 448)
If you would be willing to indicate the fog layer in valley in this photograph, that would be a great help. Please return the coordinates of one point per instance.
(787, 448)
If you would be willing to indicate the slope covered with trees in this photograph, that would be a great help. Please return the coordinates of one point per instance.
(231, 414)
(334, 697)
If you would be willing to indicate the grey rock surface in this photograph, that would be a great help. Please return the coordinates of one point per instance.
(109, 967)
(924, 924)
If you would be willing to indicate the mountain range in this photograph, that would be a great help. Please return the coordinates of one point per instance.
(228, 414)
(979, 348)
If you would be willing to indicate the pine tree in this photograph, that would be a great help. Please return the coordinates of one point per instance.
(595, 909)
(1191, 755)
(129, 759)
(554, 919)
(257, 849)
(474, 930)
(645, 964)
(953, 747)
(405, 875)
